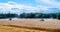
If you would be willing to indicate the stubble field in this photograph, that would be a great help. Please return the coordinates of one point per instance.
(29, 25)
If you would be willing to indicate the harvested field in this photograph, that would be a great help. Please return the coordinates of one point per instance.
(49, 25)
(16, 29)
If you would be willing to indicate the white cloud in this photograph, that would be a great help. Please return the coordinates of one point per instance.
(45, 8)
(14, 7)
(7, 7)
(49, 3)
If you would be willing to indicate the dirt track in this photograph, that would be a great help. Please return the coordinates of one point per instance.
(48, 23)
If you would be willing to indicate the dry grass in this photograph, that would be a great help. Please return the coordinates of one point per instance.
(13, 28)
(30, 25)
(35, 28)
(16, 29)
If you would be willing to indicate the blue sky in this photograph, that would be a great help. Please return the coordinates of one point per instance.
(19, 1)
(29, 6)
(25, 2)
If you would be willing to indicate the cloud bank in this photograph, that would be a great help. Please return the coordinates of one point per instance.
(13, 7)
(49, 3)
(44, 6)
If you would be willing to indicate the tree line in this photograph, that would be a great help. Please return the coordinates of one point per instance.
(30, 15)
(8, 15)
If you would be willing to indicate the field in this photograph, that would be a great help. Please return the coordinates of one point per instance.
(16, 29)
(29, 25)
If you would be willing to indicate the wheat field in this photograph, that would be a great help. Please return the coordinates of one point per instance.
(29, 25)
(16, 29)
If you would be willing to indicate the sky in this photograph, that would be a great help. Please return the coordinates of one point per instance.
(29, 6)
